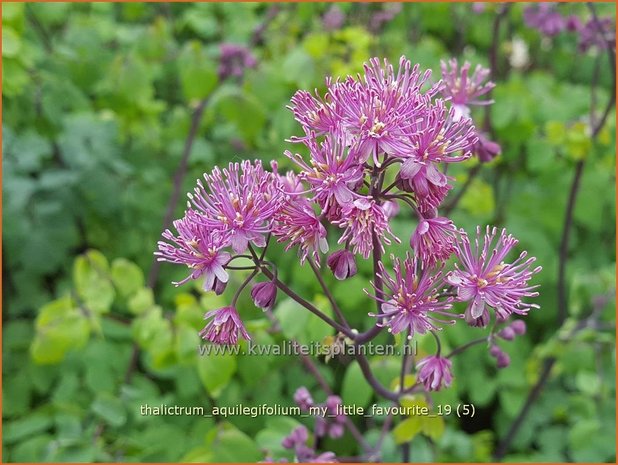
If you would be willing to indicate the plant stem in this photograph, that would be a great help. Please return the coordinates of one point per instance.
(466, 346)
(298, 299)
(179, 177)
(474, 171)
(328, 294)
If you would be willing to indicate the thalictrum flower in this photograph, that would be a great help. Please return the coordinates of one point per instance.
(239, 201)
(234, 59)
(464, 89)
(224, 327)
(411, 298)
(332, 172)
(378, 111)
(198, 248)
(433, 240)
(484, 279)
(434, 372)
(297, 224)
(437, 139)
(363, 219)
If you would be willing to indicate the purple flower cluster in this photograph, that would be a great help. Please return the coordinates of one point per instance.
(233, 61)
(546, 18)
(373, 143)
(331, 425)
(297, 441)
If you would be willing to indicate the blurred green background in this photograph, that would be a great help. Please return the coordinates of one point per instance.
(98, 102)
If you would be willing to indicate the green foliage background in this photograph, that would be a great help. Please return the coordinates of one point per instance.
(97, 103)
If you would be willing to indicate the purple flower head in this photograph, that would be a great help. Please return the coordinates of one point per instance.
(362, 219)
(198, 248)
(239, 201)
(332, 173)
(342, 263)
(333, 19)
(224, 327)
(573, 23)
(436, 139)
(303, 398)
(313, 113)
(599, 34)
(434, 372)
(378, 111)
(297, 224)
(464, 89)
(380, 18)
(411, 299)
(234, 59)
(544, 18)
(264, 295)
(486, 149)
(484, 279)
(433, 240)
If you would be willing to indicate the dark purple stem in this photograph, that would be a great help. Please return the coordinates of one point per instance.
(179, 177)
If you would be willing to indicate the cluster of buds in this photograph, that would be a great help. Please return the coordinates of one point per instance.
(386, 125)
(508, 333)
(331, 423)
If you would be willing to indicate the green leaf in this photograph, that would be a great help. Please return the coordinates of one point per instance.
(26, 426)
(198, 76)
(355, 390)
(243, 110)
(216, 371)
(110, 409)
(292, 318)
(127, 276)
(11, 43)
(232, 445)
(141, 301)
(407, 429)
(59, 328)
(92, 281)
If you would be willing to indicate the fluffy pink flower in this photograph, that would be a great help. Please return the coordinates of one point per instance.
(434, 372)
(224, 327)
(484, 279)
(436, 139)
(464, 89)
(333, 171)
(239, 201)
(433, 240)
(361, 219)
(297, 224)
(411, 299)
(198, 248)
(378, 110)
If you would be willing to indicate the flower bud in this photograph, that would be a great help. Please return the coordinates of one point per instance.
(507, 333)
(342, 264)
(503, 360)
(495, 351)
(219, 286)
(264, 295)
(519, 327)
(479, 322)
(303, 398)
